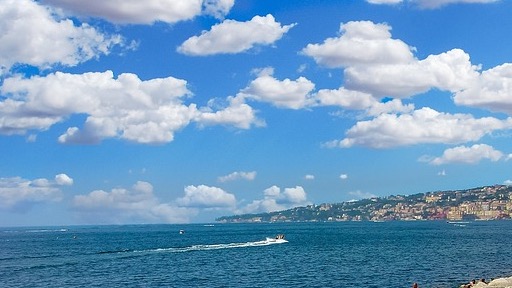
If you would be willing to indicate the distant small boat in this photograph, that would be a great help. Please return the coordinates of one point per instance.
(182, 231)
(278, 239)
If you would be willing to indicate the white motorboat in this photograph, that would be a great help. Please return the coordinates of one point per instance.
(278, 239)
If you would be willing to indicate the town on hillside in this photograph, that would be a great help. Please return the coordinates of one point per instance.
(483, 203)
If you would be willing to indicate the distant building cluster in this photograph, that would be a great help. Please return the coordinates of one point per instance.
(487, 203)
(484, 203)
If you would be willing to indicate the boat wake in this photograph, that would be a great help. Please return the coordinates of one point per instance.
(35, 231)
(200, 247)
(266, 242)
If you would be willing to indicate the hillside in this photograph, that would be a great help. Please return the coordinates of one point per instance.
(483, 203)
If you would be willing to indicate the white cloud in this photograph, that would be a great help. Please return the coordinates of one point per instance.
(276, 199)
(121, 205)
(119, 198)
(491, 90)
(139, 204)
(232, 36)
(468, 155)
(272, 192)
(262, 206)
(19, 194)
(31, 34)
(236, 113)
(292, 94)
(360, 43)
(342, 97)
(128, 108)
(377, 65)
(393, 106)
(296, 195)
(356, 100)
(309, 177)
(238, 175)
(14, 119)
(507, 182)
(430, 4)
(141, 111)
(203, 196)
(302, 68)
(217, 8)
(450, 71)
(343, 176)
(63, 179)
(420, 127)
(362, 195)
(144, 12)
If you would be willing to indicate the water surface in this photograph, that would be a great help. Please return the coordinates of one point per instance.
(348, 254)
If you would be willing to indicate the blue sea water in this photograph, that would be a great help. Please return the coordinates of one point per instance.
(348, 254)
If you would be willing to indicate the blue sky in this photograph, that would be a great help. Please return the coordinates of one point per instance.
(181, 111)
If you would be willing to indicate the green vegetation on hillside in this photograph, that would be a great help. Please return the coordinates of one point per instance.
(483, 203)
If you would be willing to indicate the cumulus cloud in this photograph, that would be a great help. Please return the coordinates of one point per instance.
(63, 179)
(144, 12)
(125, 107)
(139, 204)
(121, 205)
(236, 113)
(140, 195)
(345, 98)
(203, 196)
(362, 195)
(357, 100)
(276, 199)
(491, 90)
(450, 71)
(238, 175)
(343, 176)
(393, 106)
(430, 4)
(287, 93)
(360, 43)
(295, 196)
(19, 194)
(469, 155)
(380, 66)
(309, 177)
(232, 36)
(32, 34)
(422, 126)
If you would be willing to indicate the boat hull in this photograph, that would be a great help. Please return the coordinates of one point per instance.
(274, 240)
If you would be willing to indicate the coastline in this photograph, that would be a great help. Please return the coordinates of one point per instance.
(502, 282)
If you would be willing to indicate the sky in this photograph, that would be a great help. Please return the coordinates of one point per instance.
(181, 111)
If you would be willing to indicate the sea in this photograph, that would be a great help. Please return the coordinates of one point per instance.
(345, 254)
